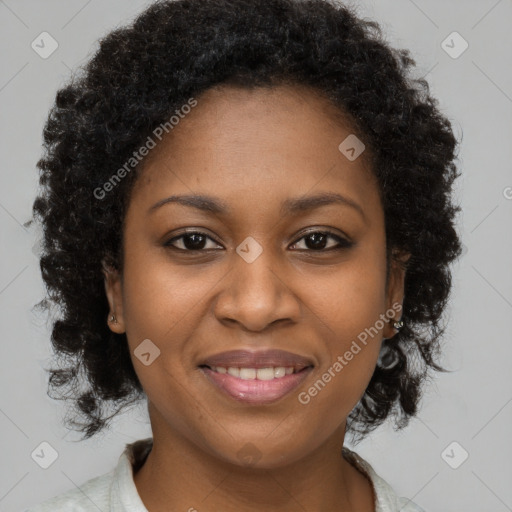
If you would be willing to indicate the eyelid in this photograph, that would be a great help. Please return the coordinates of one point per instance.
(327, 230)
(190, 231)
(343, 241)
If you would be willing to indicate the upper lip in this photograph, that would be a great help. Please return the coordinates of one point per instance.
(257, 359)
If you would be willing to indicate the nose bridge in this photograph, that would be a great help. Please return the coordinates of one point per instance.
(256, 294)
(255, 268)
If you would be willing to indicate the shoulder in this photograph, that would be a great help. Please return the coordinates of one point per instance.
(112, 491)
(386, 500)
(93, 495)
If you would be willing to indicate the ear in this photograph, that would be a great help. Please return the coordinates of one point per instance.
(114, 292)
(395, 290)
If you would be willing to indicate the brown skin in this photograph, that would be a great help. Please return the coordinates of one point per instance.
(253, 149)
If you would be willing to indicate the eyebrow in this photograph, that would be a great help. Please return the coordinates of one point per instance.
(290, 206)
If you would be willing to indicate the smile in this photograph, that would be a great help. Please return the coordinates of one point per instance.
(276, 372)
(256, 386)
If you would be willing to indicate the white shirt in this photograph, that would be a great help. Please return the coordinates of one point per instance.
(116, 491)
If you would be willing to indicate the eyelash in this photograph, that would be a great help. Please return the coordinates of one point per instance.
(342, 242)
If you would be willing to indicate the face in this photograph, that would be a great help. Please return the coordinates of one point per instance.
(255, 274)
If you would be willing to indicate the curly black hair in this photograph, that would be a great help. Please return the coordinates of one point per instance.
(139, 76)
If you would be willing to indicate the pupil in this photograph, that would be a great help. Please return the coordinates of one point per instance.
(318, 241)
(197, 241)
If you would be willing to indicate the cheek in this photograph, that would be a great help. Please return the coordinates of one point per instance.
(158, 297)
(349, 307)
(160, 304)
(351, 299)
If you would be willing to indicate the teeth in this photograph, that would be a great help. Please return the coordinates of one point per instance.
(256, 373)
(266, 373)
(234, 371)
(247, 373)
(279, 371)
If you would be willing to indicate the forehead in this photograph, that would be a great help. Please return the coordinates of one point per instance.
(255, 146)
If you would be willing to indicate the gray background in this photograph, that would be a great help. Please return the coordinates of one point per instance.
(471, 406)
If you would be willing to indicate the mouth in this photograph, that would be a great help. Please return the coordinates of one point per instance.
(256, 377)
(267, 373)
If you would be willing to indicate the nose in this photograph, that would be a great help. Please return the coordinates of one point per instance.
(257, 294)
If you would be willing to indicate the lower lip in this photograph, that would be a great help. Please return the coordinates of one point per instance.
(254, 391)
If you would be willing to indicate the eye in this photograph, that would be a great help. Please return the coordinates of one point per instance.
(318, 241)
(190, 241)
(197, 241)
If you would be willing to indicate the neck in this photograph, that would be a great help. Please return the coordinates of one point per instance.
(178, 475)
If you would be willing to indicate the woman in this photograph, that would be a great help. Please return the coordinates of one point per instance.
(248, 221)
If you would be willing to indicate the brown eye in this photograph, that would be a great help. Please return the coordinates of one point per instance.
(191, 241)
(318, 241)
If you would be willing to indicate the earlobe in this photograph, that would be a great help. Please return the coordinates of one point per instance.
(113, 291)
